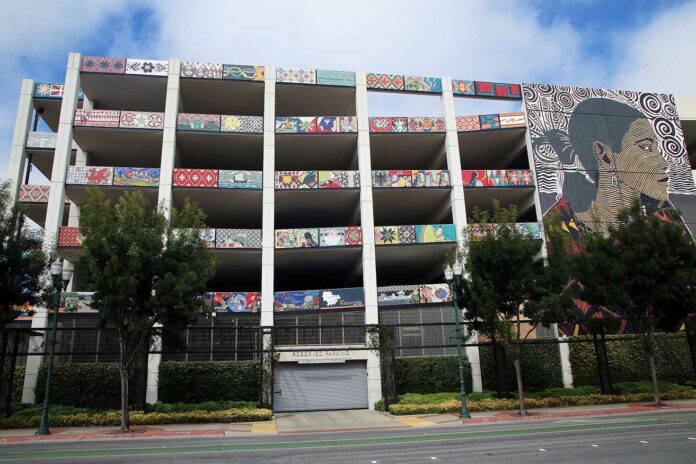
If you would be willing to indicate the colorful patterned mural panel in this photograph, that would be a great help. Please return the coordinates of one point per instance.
(141, 120)
(327, 124)
(596, 150)
(239, 179)
(395, 295)
(347, 124)
(241, 72)
(246, 124)
(196, 178)
(147, 67)
(422, 84)
(509, 120)
(294, 300)
(237, 238)
(468, 123)
(291, 180)
(102, 64)
(435, 293)
(392, 178)
(406, 124)
(338, 179)
(236, 302)
(435, 233)
(296, 75)
(201, 70)
(336, 78)
(385, 81)
(380, 124)
(89, 175)
(69, 237)
(399, 124)
(29, 193)
(97, 118)
(297, 238)
(208, 236)
(353, 236)
(136, 177)
(48, 90)
(296, 125)
(489, 121)
(497, 178)
(332, 236)
(386, 235)
(341, 298)
(407, 235)
(478, 231)
(44, 140)
(426, 124)
(461, 87)
(77, 302)
(431, 178)
(198, 122)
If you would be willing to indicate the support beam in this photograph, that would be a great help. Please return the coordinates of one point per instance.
(15, 169)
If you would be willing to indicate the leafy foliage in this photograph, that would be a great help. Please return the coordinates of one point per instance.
(195, 382)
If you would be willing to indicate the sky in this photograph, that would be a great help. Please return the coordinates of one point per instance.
(624, 44)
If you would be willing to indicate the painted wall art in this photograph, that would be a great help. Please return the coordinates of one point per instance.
(69, 237)
(206, 178)
(239, 179)
(136, 177)
(198, 122)
(243, 124)
(435, 233)
(29, 193)
(497, 178)
(297, 300)
(240, 72)
(435, 293)
(395, 295)
(236, 302)
(296, 76)
(292, 180)
(97, 118)
(103, 64)
(198, 70)
(342, 298)
(338, 179)
(141, 120)
(147, 67)
(335, 78)
(237, 238)
(332, 236)
(90, 175)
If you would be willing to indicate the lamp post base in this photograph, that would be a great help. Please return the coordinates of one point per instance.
(42, 431)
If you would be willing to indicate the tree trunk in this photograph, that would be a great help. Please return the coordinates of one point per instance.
(650, 351)
(600, 346)
(123, 371)
(500, 363)
(520, 386)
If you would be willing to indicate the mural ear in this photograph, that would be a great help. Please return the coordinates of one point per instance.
(601, 152)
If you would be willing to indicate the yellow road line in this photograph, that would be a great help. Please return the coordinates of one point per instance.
(264, 427)
(414, 421)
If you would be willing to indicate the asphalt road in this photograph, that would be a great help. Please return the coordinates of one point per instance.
(645, 438)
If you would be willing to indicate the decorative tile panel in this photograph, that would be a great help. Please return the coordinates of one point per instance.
(380, 124)
(237, 238)
(347, 124)
(99, 64)
(484, 88)
(196, 178)
(426, 124)
(240, 179)
(386, 235)
(201, 70)
(385, 81)
(136, 177)
(400, 124)
(236, 302)
(407, 235)
(240, 72)
(147, 67)
(479, 231)
(97, 118)
(327, 124)
(198, 122)
(296, 75)
(285, 238)
(468, 123)
(508, 120)
(461, 87)
(295, 125)
(34, 193)
(208, 237)
(507, 91)
(435, 233)
(89, 175)
(435, 293)
(290, 180)
(48, 90)
(353, 236)
(296, 300)
(297, 238)
(423, 84)
(247, 124)
(69, 237)
(77, 302)
(338, 179)
(395, 295)
(431, 178)
(341, 298)
(141, 120)
(380, 178)
(520, 178)
(44, 140)
(489, 121)
(400, 178)
(337, 78)
(332, 236)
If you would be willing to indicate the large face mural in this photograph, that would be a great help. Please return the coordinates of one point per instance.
(596, 150)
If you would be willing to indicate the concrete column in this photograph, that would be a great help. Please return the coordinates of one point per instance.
(566, 367)
(171, 110)
(367, 222)
(454, 165)
(15, 169)
(34, 361)
(153, 362)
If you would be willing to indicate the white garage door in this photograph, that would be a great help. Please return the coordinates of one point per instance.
(320, 387)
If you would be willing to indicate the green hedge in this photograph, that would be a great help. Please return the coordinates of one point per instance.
(541, 367)
(196, 382)
(430, 374)
(18, 383)
(85, 385)
(627, 363)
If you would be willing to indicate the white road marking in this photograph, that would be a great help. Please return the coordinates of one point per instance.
(643, 441)
(692, 438)
(542, 449)
(373, 462)
(595, 446)
(433, 458)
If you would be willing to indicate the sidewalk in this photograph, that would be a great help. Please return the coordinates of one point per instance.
(331, 422)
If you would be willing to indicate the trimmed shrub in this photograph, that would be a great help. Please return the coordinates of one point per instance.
(627, 363)
(17, 384)
(430, 374)
(197, 382)
(206, 406)
(85, 385)
(541, 367)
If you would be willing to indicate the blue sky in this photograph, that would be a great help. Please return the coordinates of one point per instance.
(638, 45)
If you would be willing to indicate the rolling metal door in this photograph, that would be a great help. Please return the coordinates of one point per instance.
(320, 387)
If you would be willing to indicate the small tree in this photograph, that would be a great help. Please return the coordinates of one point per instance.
(146, 272)
(643, 268)
(508, 282)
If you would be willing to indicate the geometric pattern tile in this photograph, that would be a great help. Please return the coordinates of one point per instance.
(353, 235)
(147, 67)
(520, 177)
(44, 140)
(460, 87)
(48, 90)
(248, 124)
(347, 124)
(239, 179)
(423, 84)
(407, 235)
(237, 238)
(400, 124)
(29, 193)
(484, 89)
(327, 124)
(97, 118)
(385, 81)
(332, 236)
(508, 120)
(285, 238)
(198, 122)
(142, 120)
(236, 302)
(90, 175)
(435, 293)
(489, 121)
(296, 75)
(431, 178)
(291, 180)
(426, 124)
(507, 91)
(136, 177)
(242, 72)
(69, 237)
(296, 125)
(208, 236)
(196, 178)
(337, 78)
(201, 70)
(99, 64)
(468, 123)
(380, 124)
(386, 235)
(380, 178)
(338, 179)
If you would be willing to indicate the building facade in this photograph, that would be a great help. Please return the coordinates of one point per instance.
(321, 216)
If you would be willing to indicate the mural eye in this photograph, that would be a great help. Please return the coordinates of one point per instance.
(646, 144)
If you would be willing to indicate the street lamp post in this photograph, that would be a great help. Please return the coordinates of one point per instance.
(454, 279)
(61, 277)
